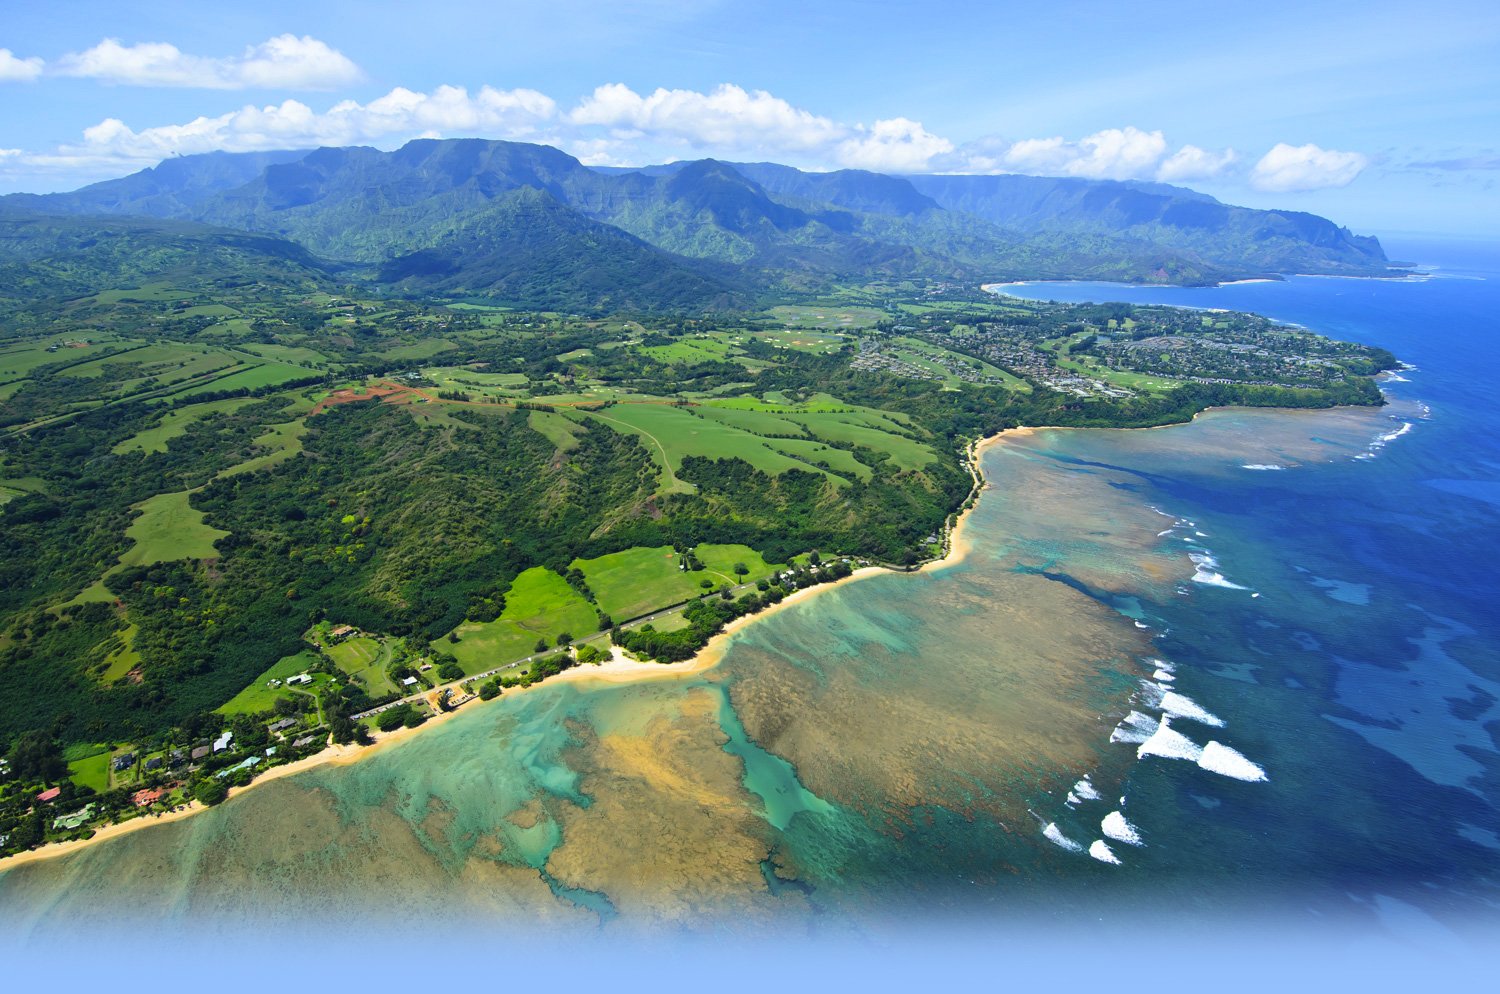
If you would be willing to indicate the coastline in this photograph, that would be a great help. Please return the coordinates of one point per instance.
(620, 669)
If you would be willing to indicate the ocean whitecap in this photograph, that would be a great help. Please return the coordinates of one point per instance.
(1219, 758)
(1100, 851)
(1057, 838)
(1116, 827)
(1180, 706)
(1169, 743)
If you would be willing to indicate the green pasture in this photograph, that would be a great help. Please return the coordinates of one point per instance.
(19, 360)
(637, 581)
(857, 429)
(258, 697)
(91, 771)
(281, 442)
(560, 430)
(719, 560)
(251, 378)
(539, 605)
(364, 660)
(169, 529)
(176, 421)
(829, 316)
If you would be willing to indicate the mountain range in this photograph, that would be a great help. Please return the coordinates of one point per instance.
(531, 225)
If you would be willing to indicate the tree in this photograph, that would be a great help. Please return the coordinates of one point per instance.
(450, 671)
(35, 756)
(489, 690)
(740, 569)
(541, 645)
(211, 791)
(564, 638)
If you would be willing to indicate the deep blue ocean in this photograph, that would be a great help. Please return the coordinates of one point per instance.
(1360, 663)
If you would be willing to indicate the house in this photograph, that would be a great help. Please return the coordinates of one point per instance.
(179, 756)
(409, 681)
(283, 724)
(49, 795)
(342, 632)
(124, 761)
(200, 752)
(247, 764)
(300, 678)
(154, 763)
(222, 742)
(305, 740)
(69, 822)
(146, 798)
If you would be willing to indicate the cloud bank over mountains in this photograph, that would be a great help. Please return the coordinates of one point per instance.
(613, 125)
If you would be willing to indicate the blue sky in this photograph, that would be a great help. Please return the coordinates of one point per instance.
(1383, 116)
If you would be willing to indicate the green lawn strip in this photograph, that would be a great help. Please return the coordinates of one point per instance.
(91, 771)
(259, 697)
(364, 660)
(252, 378)
(637, 581)
(169, 529)
(283, 442)
(422, 349)
(720, 560)
(561, 431)
(539, 605)
(814, 452)
(124, 659)
(905, 452)
(176, 421)
(756, 422)
(680, 434)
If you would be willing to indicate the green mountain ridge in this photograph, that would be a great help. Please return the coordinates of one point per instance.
(465, 216)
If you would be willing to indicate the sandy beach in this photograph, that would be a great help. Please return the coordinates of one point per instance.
(618, 669)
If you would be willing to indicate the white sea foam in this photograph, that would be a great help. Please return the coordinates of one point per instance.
(1055, 836)
(1178, 706)
(1206, 572)
(1391, 436)
(1141, 624)
(1100, 851)
(1220, 759)
(1116, 827)
(1134, 729)
(1151, 693)
(1169, 743)
(1262, 466)
(1085, 790)
(1163, 676)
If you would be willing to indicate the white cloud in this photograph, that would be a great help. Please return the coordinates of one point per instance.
(286, 62)
(14, 69)
(1190, 163)
(729, 119)
(1290, 169)
(1114, 153)
(401, 113)
(897, 145)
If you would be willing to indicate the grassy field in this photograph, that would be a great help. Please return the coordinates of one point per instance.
(19, 360)
(813, 452)
(719, 560)
(560, 430)
(169, 529)
(828, 316)
(124, 659)
(251, 378)
(282, 441)
(637, 581)
(258, 697)
(671, 434)
(364, 661)
(863, 430)
(91, 771)
(423, 349)
(539, 605)
(820, 342)
(176, 422)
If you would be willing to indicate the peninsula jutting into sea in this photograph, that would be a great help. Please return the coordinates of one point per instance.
(442, 521)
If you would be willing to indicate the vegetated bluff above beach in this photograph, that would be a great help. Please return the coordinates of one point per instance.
(531, 225)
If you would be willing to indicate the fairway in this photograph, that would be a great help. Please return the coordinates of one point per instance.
(92, 771)
(672, 434)
(637, 581)
(539, 605)
(167, 530)
(258, 697)
(364, 660)
(175, 422)
(719, 561)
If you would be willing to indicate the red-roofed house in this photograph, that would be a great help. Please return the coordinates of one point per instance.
(146, 798)
(49, 795)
